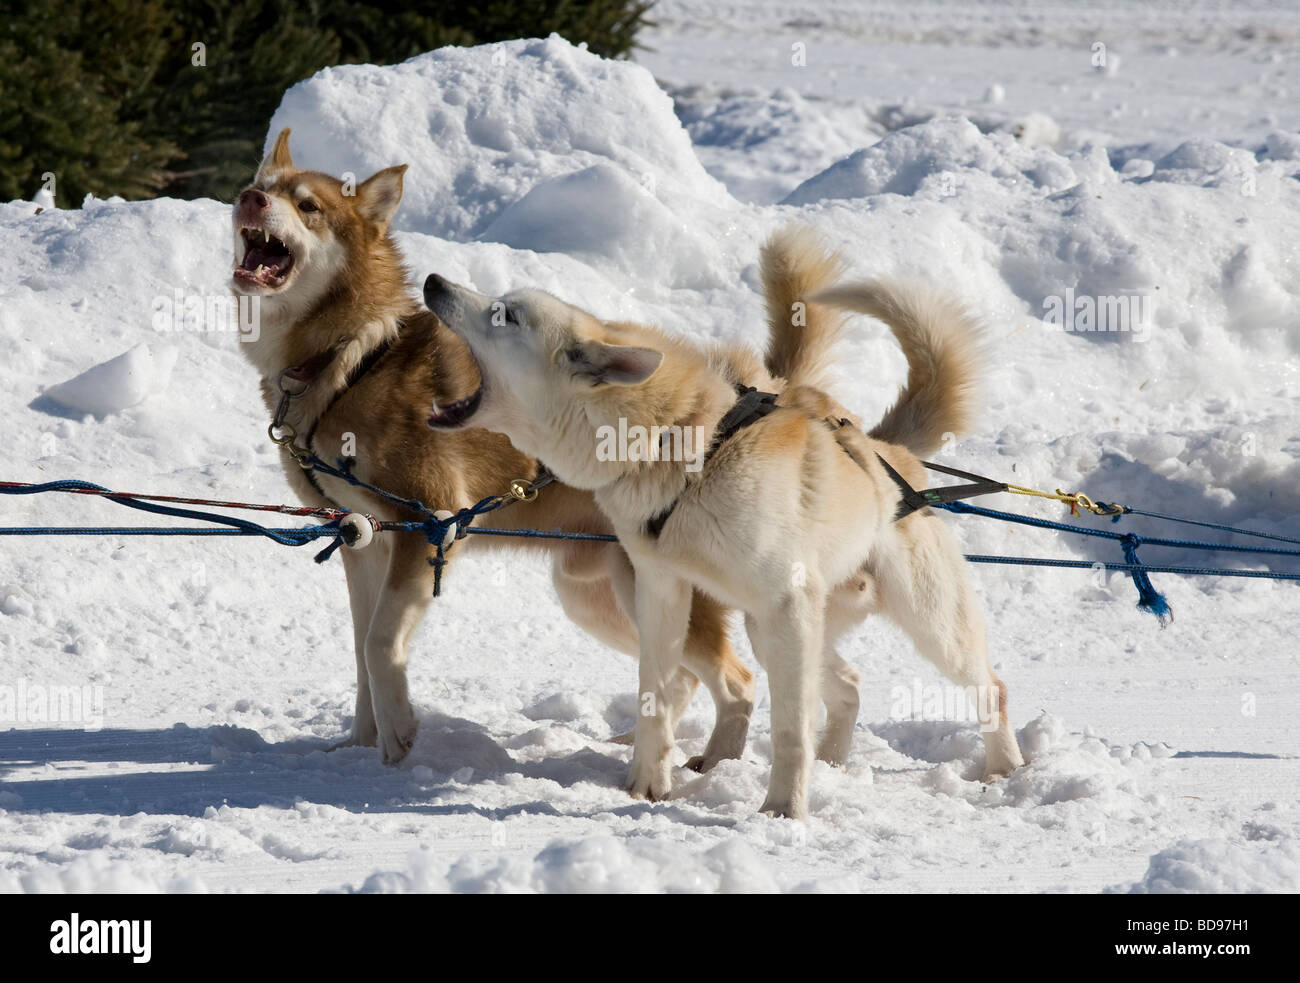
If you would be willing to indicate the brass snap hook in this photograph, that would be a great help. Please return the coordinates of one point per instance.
(522, 490)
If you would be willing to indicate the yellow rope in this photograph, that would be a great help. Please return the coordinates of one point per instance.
(1076, 500)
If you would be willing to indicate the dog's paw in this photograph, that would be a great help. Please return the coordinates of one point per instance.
(834, 751)
(706, 761)
(650, 778)
(783, 809)
(998, 774)
(397, 733)
(726, 742)
(1002, 756)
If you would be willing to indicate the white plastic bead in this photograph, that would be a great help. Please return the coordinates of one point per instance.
(450, 538)
(362, 532)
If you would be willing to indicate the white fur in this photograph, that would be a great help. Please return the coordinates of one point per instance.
(782, 524)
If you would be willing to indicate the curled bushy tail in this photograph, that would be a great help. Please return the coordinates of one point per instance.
(795, 265)
(941, 343)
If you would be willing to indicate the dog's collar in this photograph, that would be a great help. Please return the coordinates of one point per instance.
(751, 406)
(306, 374)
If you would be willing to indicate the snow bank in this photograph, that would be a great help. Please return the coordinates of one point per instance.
(481, 127)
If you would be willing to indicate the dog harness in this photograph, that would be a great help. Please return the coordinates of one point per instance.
(752, 405)
(304, 377)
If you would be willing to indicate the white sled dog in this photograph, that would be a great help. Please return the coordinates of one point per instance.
(789, 516)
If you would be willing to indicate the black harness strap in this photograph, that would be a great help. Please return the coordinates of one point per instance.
(359, 370)
(750, 407)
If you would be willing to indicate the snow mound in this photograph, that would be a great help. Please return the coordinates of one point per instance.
(482, 126)
(593, 865)
(1205, 163)
(119, 383)
(762, 144)
(1223, 867)
(99, 873)
(601, 212)
(908, 161)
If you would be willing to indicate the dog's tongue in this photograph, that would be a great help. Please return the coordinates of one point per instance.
(273, 255)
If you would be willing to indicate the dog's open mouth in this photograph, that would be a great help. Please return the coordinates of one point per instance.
(267, 260)
(447, 416)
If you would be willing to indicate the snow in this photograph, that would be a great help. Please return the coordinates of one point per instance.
(481, 128)
(119, 383)
(1158, 760)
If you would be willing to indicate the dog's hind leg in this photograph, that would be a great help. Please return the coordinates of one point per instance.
(365, 571)
(847, 605)
(926, 591)
(709, 656)
(840, 694)
(788, 642)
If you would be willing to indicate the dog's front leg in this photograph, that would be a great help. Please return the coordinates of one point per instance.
(788, 640)
(365, 571)
(405, 596)
(663, 605)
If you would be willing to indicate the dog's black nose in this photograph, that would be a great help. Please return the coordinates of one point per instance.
(435, 285)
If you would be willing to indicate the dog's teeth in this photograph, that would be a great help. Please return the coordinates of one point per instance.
(267, 235)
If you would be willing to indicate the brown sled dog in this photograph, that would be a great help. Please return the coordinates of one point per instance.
(337, 316)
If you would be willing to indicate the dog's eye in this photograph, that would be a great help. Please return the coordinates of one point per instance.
(510, 317)
(307, 205)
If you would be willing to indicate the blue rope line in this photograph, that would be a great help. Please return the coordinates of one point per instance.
(286, 538)
(309, 533)
(289, 537)
(435, 530)
(1149, 599)
(542, 534)
(345, 474)
(1029, 520)
(1196, 522)
(1030, 561)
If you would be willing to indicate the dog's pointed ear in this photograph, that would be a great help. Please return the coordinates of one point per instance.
(612, 365)
(279, 157)
(379, 195)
